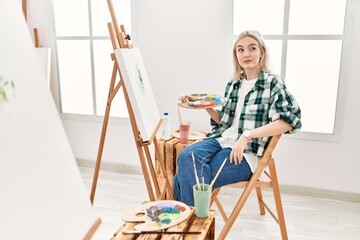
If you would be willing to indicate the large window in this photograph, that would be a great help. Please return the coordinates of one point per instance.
(305, 40)
(83, 54)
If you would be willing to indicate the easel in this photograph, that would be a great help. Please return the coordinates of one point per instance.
(89, 234)
(36, 31)
(120, 39)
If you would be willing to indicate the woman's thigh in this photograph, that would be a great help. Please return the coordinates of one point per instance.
(203, 150)
(230, 173)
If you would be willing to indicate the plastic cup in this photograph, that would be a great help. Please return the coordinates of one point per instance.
(202, 200)
(184, 133)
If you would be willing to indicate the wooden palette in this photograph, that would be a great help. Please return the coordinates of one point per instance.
(158, 215)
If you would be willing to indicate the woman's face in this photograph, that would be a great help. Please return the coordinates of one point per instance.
(248, 54)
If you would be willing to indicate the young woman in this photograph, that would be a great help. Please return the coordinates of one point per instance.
(258, 106)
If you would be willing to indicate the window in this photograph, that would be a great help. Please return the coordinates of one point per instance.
(83, 55)
(305, 39)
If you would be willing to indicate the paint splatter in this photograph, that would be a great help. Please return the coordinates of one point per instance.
(140, 80)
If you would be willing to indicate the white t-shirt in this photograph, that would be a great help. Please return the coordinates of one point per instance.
(230, 135)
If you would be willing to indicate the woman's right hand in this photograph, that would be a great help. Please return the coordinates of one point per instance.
(236, 154)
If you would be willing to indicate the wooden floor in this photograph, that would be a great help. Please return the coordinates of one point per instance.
(306, 217)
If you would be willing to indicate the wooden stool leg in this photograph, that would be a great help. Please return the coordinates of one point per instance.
(211, 232)
(277, 199)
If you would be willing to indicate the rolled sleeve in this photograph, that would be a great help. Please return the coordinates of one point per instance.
(213, 123)
(285, 107)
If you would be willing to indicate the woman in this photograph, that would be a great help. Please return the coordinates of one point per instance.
(258, 106)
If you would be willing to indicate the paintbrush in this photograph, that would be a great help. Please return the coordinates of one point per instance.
(196, 176)
(179, 116)
(203, 183)
(217, 174)
(159, 232)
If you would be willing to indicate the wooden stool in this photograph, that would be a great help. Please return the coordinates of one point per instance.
(170, 150)
(193, 224)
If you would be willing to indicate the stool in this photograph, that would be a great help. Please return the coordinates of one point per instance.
(193, 224)
(170, 150)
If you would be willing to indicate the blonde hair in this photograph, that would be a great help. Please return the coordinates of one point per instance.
(264, 63)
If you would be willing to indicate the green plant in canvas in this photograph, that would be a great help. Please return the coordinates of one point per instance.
(6, 86)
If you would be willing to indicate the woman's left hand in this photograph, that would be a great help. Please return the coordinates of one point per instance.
(236, 154)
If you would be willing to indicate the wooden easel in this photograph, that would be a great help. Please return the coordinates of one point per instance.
(89, 234)
(36, 31)
(120, 39)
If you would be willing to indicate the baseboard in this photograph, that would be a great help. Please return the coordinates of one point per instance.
(118, 167)
(320, 193)
(285, 189)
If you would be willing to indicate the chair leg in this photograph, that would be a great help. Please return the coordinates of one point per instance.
(221, 209)
(260, 201)
(239, 205)
(277, 198)
(218, 204)
(214, 194)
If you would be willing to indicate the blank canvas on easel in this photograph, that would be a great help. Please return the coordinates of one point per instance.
(139, 90)
(42, 192)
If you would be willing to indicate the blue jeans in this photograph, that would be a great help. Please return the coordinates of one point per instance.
(209, 156)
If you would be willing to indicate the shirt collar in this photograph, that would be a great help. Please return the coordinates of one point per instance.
(260, 82)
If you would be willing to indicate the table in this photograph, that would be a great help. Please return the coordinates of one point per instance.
(192, 224)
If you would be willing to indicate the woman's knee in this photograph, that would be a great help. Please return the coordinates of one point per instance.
(183, 158)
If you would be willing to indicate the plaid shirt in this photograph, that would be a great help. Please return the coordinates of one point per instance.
(267, 101)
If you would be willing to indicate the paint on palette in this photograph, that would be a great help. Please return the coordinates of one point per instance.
(158, 215)
(164, 213)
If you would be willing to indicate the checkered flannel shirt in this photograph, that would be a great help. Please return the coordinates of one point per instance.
(267, 101)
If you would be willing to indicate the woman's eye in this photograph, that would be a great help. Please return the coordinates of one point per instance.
(253, 49)
(240, 50)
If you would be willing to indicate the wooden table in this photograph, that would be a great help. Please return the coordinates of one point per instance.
(192, 224)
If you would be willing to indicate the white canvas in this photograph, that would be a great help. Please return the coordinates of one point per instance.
(42, 192)
(139, 90)
(45, 60)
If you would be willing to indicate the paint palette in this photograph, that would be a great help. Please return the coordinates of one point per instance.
(202, 100)
(158, 215)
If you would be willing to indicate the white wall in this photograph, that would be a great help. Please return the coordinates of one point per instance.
(185, 49)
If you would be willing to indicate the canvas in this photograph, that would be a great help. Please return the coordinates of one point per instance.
(42, 193)
(139, 90)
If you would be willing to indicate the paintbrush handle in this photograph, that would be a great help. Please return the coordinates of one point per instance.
(179, 116)
(195, 172)
(159, 232)
(217, 174)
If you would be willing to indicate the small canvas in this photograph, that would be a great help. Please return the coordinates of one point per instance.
(139, 90)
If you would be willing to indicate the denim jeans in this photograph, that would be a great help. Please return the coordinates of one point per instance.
(209, 156)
